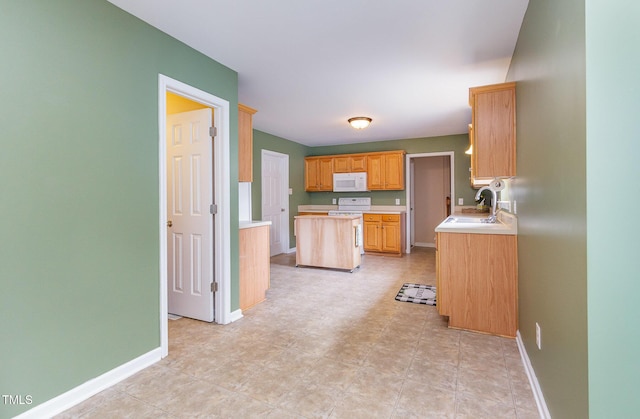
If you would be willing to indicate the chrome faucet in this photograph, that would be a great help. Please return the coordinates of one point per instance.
(494, 202)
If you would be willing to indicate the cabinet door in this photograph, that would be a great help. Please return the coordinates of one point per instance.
(394, 171)
(494, 136)
(372, 236)
(245, 143)
(391, 237)
(342, 164)
(325, 176)
(375, 172)
(358, 163)
(311, 174)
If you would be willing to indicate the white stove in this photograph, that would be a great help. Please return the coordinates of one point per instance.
(354, 206)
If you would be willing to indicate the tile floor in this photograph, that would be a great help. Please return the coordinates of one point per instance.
(328, 344)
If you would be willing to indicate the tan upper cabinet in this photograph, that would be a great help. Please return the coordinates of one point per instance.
(349, 163)
(493, 132)
(245, 143)
(318, 174)
(385, 171)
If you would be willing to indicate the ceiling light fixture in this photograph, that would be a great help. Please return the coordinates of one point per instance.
(359, 122)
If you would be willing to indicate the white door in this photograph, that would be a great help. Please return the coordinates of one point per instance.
(190, 223)
(275, 199)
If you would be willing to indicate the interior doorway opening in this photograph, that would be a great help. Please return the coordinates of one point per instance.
(430, 192)
(221, 199)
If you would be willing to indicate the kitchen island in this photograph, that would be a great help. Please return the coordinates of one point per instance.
(328, 241)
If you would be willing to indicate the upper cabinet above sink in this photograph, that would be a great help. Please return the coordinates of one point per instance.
(492, 133)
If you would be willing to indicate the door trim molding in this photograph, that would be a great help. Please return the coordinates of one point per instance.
(285, 225)
(408, 181)
(221, 197)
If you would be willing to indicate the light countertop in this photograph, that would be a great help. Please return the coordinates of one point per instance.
(375, 209)
(255, 223)
(507, 224)
(340, 217)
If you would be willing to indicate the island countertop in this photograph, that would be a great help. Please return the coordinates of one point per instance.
(255, 223)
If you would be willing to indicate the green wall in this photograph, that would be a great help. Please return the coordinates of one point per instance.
(613, 170)
(79, 168)
(296, 153)
(456, 143)
(551, 195)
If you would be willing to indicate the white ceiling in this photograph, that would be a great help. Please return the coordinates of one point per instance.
(308, 65)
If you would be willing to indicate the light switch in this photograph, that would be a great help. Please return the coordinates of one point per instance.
(397, 201)
(290, 191)
(460, 201)
(333, 201)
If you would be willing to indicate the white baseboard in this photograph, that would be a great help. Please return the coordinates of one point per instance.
(421, 244)
(92, 387)
(292, 250)
(533, 380)
(235, 315)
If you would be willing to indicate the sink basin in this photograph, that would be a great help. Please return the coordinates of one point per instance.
(466, 220)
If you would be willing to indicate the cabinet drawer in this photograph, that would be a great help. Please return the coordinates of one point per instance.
(391, 217)
(372, 217)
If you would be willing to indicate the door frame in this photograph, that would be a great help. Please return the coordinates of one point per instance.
(285, 230)
(409, 180)
(221, 196)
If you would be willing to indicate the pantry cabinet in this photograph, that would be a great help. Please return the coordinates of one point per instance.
(318, 174)
(476, 281)
(492, 132)
(385, 171)
(384, 233)
(245, 143)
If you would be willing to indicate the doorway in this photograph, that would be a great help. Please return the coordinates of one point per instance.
(275, 199)
(430, 192)
(221, 199)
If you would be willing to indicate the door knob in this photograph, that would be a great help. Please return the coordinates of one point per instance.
(281, 209)
(169, 223)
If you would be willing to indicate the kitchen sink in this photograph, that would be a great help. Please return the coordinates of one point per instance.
(466, 220)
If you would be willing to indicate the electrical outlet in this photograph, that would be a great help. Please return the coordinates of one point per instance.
(505, 205)
(538, 336)
(460, 201)
(333, 201)
(397, 201)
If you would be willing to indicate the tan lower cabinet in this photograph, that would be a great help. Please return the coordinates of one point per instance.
(254, 265)
(477, 281)
(384, 233)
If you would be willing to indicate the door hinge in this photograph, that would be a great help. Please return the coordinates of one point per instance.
(213, 209)
(213, 131)
(214, 287)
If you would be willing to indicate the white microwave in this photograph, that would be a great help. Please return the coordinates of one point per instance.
(350, 182)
